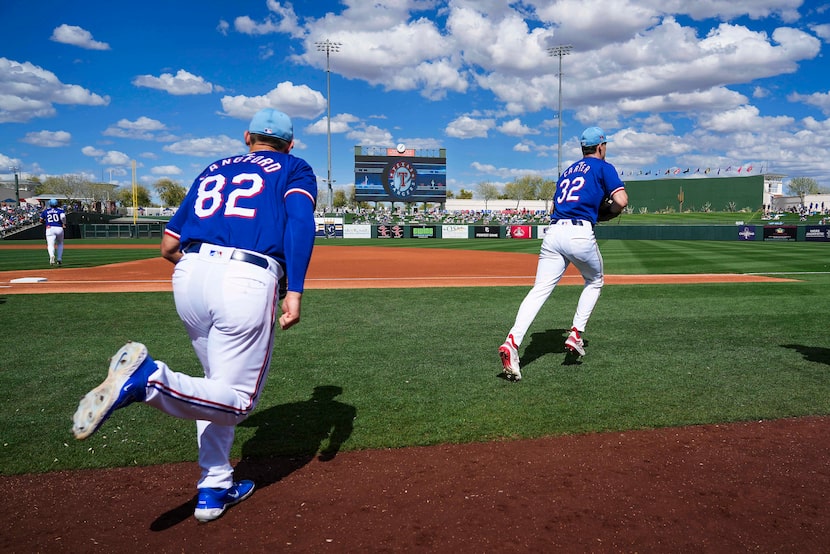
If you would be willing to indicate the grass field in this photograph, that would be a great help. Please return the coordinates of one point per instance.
(419, 366)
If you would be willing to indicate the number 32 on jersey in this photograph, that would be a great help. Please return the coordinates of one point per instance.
(569, 189)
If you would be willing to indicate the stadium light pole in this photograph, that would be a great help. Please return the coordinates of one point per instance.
(16, 171)
(328, 47)
(561, 50)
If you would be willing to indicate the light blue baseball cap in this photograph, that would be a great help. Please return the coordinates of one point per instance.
(53, 202)
(272, 123)
(593, 136)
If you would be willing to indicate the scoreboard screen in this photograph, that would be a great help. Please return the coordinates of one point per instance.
(400, 174)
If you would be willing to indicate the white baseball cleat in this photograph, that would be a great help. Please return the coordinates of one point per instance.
(574, 342)
(126, 383)
(509, 354)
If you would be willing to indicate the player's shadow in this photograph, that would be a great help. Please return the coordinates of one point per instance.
(287, 437)
(811, 353)
(551, 341)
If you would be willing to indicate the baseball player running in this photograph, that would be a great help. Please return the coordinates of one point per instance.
(570, 238)
(54, 218)
(246, 223)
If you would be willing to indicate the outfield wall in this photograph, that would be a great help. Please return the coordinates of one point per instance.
(719, 193)
(336, 229)
(819, 233)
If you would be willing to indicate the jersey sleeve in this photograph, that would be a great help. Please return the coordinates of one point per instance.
(611, 180)
(174, 226)
(300, 198)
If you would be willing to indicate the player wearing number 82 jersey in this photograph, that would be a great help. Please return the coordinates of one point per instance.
(246, 222)
(245, 202)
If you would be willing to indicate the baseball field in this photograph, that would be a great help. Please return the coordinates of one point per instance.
(696, 422)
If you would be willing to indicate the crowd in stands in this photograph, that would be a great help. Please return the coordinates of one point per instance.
(15, 217)
(386, 216)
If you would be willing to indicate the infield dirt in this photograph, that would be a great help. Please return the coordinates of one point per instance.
(344, 267)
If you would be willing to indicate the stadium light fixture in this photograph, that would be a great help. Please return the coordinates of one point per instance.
(328, 47)
(561, 50)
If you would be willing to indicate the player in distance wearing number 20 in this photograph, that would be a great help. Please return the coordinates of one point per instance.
(570, 239)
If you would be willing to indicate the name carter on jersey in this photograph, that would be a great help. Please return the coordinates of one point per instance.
(580, 167)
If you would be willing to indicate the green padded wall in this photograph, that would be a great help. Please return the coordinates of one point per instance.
(660, 194)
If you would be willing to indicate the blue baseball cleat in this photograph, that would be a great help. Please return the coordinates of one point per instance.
(126, 383)
(212, 503)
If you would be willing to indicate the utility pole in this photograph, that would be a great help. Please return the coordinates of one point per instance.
(328, 47)
(562, 50)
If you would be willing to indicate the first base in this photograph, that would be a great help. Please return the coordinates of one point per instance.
(28, 280)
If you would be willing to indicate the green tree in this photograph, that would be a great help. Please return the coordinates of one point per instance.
(546, 191)
(75, 187)
(125, 196)
(802, 186)
(170, 192)
(69, 187)
(100, 192)
(465, 194)
(488, 191)
(340, 199)
(524, 188)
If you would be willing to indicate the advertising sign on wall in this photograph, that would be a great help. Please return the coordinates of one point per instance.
(422, 232)
(454, 232)
(390, 231)
(817, 233)
(746, 232)
(329, 227)
(519, 232)
(780, 232)
(486, 231)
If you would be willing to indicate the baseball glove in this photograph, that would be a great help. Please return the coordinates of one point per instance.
(605, 213)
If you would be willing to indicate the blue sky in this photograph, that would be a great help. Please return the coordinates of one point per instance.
(678, 85)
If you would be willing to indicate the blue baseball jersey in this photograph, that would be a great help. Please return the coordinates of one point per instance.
(582, 187)
(261, 201)
(53, 217)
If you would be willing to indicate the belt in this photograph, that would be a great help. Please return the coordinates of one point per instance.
(571, 221)
(238, 255)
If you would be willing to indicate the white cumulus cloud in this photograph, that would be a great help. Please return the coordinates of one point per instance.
(77, 36)
(182, 83)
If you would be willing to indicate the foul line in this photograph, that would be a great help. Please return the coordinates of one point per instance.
(416, 278)
(791, 273)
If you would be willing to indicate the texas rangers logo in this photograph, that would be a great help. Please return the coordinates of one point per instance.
(400, 179)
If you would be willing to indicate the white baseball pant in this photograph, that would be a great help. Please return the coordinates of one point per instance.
(565, 242)
(54, 242)
(229, 309)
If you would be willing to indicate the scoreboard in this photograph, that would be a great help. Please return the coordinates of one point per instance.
(400, 174)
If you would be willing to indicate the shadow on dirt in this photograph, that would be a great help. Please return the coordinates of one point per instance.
(287, 437)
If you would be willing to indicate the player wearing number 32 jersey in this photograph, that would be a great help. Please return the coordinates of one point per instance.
(245, 226)
(570, 240)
